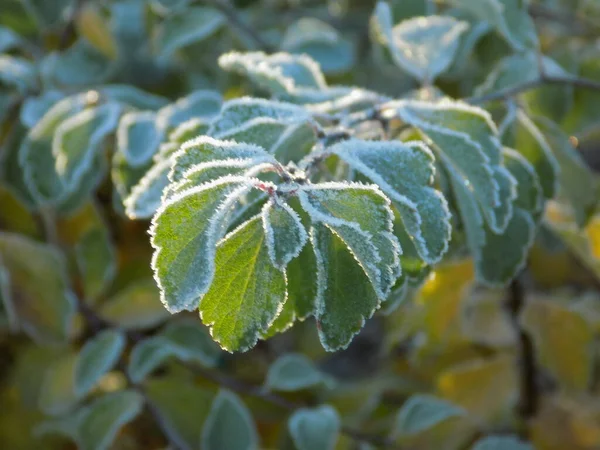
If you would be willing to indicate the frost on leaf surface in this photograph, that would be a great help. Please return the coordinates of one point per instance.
(280, 73)
(345, 295)
(201, 104)
(185, 231)
(423, 46)
(247, 292)
(145, 197)
(472, 154)
(359, 215)
(284, 233)
(315, 428)
(405, 172)
(139, 136)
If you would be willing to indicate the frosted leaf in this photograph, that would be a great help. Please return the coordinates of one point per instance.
(294, 143)
(530, 196)
(185, 27)
(345, 295)
(184, 233)
(473, 153)
(360, 215)
(316, 428)
(507, 193)
(406, 173)
(77, 141)
(229, 425)
(423, 46)
(17, 72)
(518, 69)
(279, 73)
(422, 412)
(241, 110)
(262, 131)
(139, 135)
(145, 197)
(205, 149)
(284, 232)
(501, 443)
(294, 372)
(201, 104)
(35, 154)
(34, 108)
(307, 31)
(188, 130)
(129, 95)
(8, 39)
(509, 17)
(247, 292)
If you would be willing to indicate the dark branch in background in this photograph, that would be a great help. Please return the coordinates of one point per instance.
(576, 23)
(528, 390)
(232, 15)
(542, 80)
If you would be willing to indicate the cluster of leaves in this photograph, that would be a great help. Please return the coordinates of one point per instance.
(298, 192)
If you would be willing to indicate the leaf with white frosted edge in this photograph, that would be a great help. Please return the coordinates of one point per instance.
(315, 428)
(57, 393)
(501, 443)
(186, 27)
(473, 153)
(192, 341)
(229, 425)
(139, 136)
(295, 143)
(262, 131)
(509, 17)
(345, 295)
(422, 412)
(8, 39)
(247, 292)
(524, 136)
(43, 302)
(77, 140)
(129, 95)
(284, 231)
(294, 372)
(145, 197)
(279, 73)
(240, 110)
(34, 108)
(101, 420)
(423, 46)
(405, 172)
(35, 154)
(96, 358)
(184, 234)
(17, 72)
(302, 283)
(182, 408)
(189, 129)
(146, 356)
(361, 216)
(530, 196)
(203, 104)
(577, 182)
(205, 149)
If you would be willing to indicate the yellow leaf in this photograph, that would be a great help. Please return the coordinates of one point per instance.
(484, 319)
(94, 27)
(563, 340)
(487, 388)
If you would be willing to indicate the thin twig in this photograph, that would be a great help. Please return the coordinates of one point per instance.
(505, 94)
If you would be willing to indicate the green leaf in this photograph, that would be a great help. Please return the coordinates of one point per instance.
(185, 232)
(96, 260)
(146, 195)
(247, 293)
(137, 307)
(302, 284)
(193, 342)
(129, 95)
(294, 372)
(530, 195)
(44, 304)
(501, 443)
(202, 104)
(101, 421)
(78, 139)
(18, 73)
(182, 408)
(34, 108)
(46, 12)
(8, 39)
(147, 355)
(286, 236)
(229, 425)
(360, 215)
(576, 180)
(97, 357)
(345, 295)
(422, 46)
(57, 394)
(509, 17)
(280, 73)
(405, 173)
(315, 429)
(79, 65)
(139, 136)
(188, 130)
(422, 412)
(185, 27)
